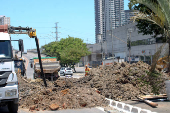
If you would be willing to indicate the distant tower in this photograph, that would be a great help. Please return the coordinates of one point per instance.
(56, 31)
(107, 13)
(4, 20)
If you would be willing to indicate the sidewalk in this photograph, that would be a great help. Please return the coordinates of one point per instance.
(163, 106)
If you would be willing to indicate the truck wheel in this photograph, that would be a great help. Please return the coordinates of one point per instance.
(12, 107)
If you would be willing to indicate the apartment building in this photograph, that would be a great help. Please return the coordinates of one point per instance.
(109, 14)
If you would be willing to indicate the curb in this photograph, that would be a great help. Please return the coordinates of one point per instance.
(126, 108)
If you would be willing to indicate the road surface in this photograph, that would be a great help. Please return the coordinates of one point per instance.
(85, 110)
(29, 71)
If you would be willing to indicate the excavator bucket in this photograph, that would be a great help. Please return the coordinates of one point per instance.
(4, 28)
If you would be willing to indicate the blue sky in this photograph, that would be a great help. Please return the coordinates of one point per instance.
(75, 17)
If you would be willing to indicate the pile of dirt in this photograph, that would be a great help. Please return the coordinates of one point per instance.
(58, 95)
(124, 81)
(119, 81)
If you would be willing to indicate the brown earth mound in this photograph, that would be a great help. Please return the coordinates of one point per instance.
(118, 81)
(123, 81)
(58, 95)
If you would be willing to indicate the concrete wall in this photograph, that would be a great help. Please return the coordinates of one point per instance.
(117, 44)
(120, 37)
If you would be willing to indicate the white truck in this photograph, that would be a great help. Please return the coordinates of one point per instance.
(8, 79)
(9, 94)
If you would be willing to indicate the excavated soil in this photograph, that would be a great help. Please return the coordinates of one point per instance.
(117, 81)
(58, 95)
(125, 81)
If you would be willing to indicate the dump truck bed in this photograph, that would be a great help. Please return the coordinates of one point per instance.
(48, 67)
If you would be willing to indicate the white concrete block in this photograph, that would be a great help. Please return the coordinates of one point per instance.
(135, 110)
(145, 111)
(127, 107)
(119, 105)
(114, 103)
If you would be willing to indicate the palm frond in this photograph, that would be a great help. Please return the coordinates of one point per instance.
(152, 18)
(156, 9)
(165, 6)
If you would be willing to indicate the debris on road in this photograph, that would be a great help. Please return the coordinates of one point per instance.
(58, 95)
(119, 81)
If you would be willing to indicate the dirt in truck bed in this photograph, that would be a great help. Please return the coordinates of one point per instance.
(119, 81)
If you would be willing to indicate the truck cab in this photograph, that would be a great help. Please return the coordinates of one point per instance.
(8, 78)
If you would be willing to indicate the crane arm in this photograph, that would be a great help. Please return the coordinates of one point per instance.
(31, 33)
(22, 30)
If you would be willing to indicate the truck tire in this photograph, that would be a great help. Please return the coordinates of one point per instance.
(12, 107)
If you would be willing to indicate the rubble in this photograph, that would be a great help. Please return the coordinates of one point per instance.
(119, 81)
(123, 81)
(58, 95)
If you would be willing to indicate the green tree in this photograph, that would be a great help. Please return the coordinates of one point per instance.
(146, 27)
(69, 50)
(158, 14)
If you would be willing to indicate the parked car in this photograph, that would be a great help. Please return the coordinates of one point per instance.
(68, 72)
(62, 71)
(31, 60)
(25, 52)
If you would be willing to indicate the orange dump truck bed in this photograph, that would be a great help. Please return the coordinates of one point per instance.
(49, 64)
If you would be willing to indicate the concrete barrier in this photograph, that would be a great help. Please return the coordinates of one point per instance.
(126, 108)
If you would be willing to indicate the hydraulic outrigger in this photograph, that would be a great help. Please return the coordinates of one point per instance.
(32, 34)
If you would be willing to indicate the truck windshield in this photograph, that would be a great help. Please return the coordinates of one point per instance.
(5, 49)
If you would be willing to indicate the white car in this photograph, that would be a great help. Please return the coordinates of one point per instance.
(68, 72)
(62, 71)
(31, 59)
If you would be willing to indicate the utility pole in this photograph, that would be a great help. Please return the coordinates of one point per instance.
(56, 31)
(129, 47)
(129, 43)
(111, 29)
(100, 39)
(112, 45)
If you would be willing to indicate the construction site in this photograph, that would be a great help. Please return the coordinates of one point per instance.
(118, 62)
(118, 81)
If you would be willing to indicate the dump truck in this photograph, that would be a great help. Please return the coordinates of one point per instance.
(50, 66)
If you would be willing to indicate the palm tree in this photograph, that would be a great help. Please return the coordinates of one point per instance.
(159, 15)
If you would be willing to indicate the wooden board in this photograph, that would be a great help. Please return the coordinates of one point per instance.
(150, 97)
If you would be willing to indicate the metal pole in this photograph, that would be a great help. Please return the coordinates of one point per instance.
(129, 48)
(56, 31)
(102, 50)
(112, 45)
(38, 50)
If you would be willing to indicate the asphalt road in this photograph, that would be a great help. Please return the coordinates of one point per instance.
(85, 110)
(29, 71)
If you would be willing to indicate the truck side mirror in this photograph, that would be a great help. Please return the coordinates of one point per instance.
(21, 45)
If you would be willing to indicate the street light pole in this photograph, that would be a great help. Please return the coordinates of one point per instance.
(129, 48)
(100, 41)
(112, 44)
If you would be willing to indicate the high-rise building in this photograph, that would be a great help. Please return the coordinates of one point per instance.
(4, 20)
(128, 15)
(109, 14)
